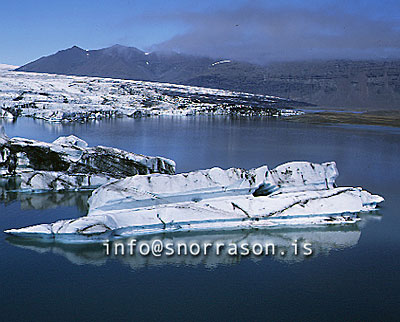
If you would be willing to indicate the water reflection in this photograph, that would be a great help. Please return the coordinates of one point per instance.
(48, 200)
(322, 240)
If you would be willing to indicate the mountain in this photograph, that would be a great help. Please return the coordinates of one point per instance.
(120, 62)
(337, 83)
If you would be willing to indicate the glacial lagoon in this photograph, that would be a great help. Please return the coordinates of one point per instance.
(357, 264)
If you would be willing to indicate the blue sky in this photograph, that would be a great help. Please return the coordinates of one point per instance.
(256, 31)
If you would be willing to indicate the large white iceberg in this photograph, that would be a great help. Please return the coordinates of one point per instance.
(295, 193)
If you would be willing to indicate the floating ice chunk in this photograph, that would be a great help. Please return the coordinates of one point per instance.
(68, 163)
(296, 193)
(71, 140)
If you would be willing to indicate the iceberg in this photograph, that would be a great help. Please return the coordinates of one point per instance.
(292, 194)
(68, 163)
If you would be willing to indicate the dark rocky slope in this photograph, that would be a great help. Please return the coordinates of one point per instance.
(341, 83)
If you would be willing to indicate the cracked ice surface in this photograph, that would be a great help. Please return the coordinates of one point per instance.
(295, 193)
(68, 164)
(61, 98)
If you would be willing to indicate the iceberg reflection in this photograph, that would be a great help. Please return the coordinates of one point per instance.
(323, 240)
(48, 200)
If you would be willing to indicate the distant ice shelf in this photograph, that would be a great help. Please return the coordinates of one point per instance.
(292, 194)
(61, 98)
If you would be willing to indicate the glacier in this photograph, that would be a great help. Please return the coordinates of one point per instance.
(61, 98)
(293, 194)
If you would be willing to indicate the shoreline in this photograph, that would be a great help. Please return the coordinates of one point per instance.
(388, 118)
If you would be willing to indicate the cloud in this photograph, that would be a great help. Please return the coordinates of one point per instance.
(259, 34)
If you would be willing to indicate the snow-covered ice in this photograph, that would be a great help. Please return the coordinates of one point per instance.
(61, 98)
(69, 164)
(293, 194)
(8, 67)
(221, 62)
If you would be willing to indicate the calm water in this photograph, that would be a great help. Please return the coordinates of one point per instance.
(353, 274)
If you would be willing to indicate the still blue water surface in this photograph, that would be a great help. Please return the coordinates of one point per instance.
(354, 273)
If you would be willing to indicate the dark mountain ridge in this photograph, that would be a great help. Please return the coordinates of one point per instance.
(120, 62)
(337, 83)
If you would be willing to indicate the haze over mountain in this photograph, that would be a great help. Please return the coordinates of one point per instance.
(339, 83)
(120, 62)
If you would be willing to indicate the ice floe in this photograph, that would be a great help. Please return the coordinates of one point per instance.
(292, 194)
(69, 164)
